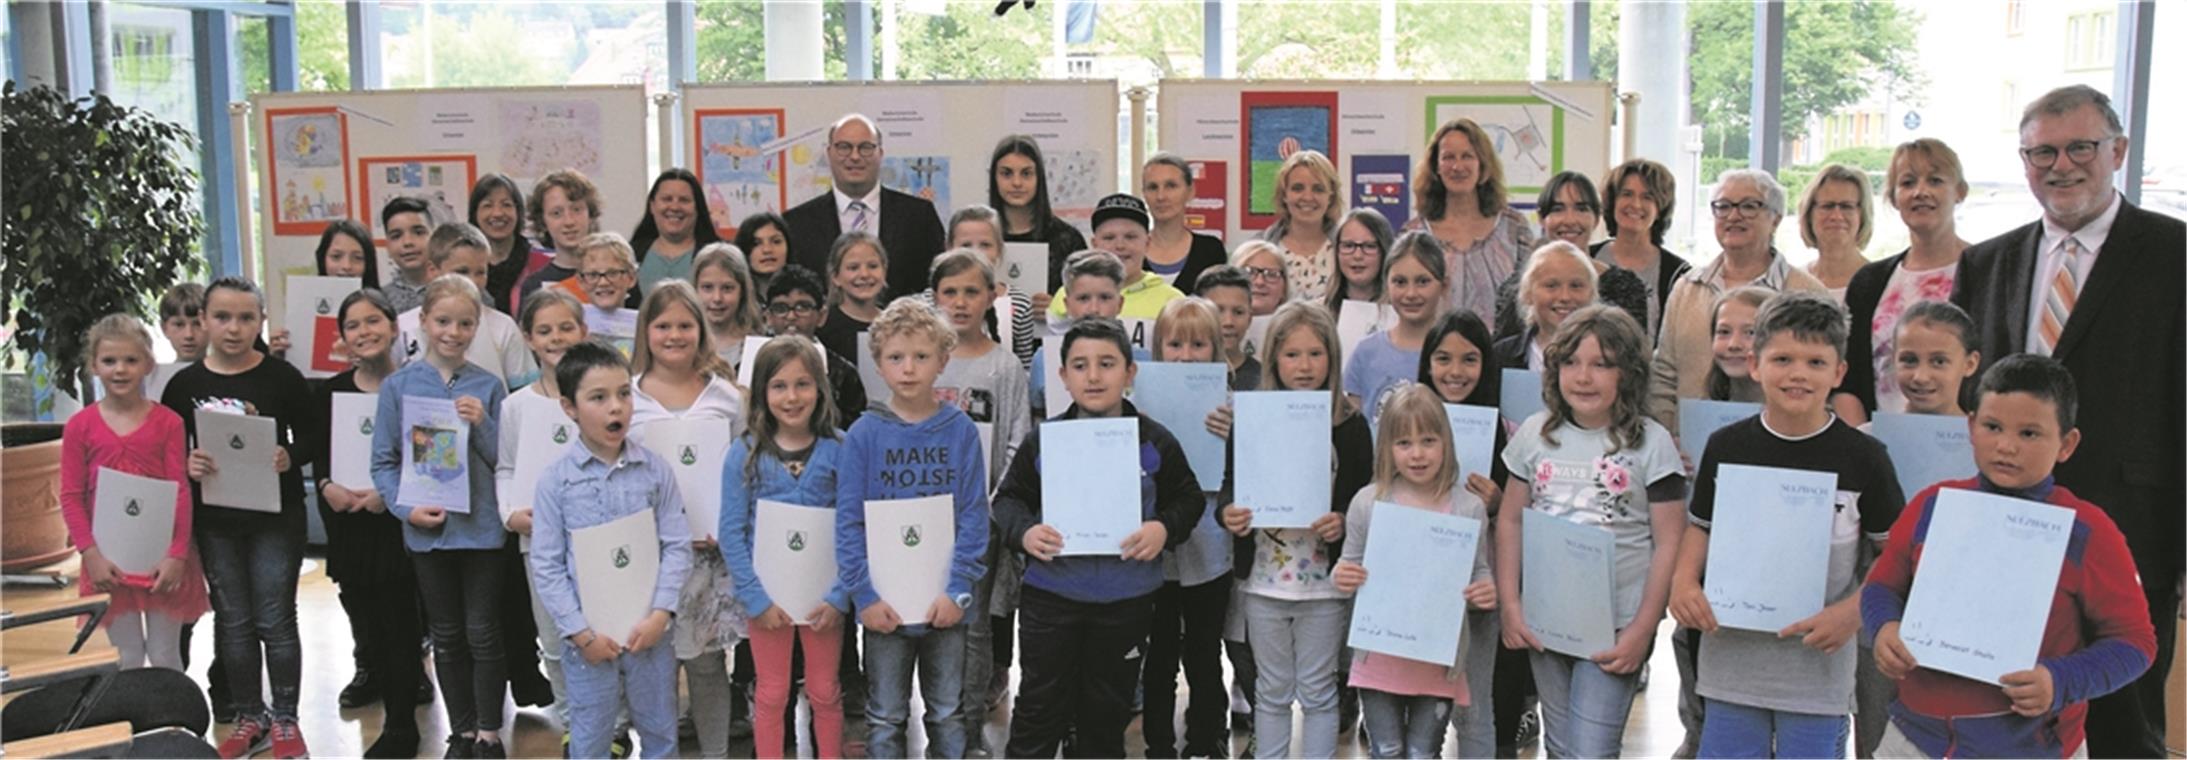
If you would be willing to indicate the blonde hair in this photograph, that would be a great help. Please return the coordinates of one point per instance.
(1188, 316)
(910, 317)
(450, 286)
(1941, 158)
(1251, 248)
(1323, 170)
(676, 293)
(726, 257)
(1315, 318)
(1415, 410)
(450, 236)
(609, 243)
(117, 326)
(1838, 173)
(1432, 199)
(1546, 253)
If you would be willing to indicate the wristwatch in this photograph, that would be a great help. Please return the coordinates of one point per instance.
(964, 601)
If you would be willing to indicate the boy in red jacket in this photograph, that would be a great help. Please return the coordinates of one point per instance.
(2098, 638)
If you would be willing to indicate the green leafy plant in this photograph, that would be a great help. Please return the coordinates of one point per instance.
(101, 209)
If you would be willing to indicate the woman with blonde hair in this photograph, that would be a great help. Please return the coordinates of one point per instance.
(1309, 203)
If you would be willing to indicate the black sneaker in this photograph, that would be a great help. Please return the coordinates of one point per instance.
(394, 743)
(1530, 728)
(485, 750)
(361, 691)
(461, 747)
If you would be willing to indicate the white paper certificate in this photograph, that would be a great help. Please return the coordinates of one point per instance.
(1355, 321)
(1568, 581)
(242, 451)
(436, 462)
(1769, 545)
(133, 519)
(349, 437)
(544, 432)
(1983, 592)
(617, 563)
(793, 552)
(1025, 267)
(694, 450)
(314, 324)
(1411, 549)
(909, 543)
(1089, 483)
(752, 344)
(1057, 397)
(1283, 457)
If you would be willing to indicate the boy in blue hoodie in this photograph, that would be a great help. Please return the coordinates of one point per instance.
(913, 446)
(1084, 614)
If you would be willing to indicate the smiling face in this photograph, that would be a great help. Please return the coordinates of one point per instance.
(1796, 375)
(1412, 291)
(1305, 196)
(1732, 341)
(1302, 361)
(861, 274)
(964, 299)
(672, 338)
(554, 330)
(1837, 215)
(1269, 286)
(607, 278)
(1359, 254)
(1559, 287)
(1128, 240)
(791, 394)
(977, 235)
(1087, 296)
(1420, 456)
(1736, 230)
(345, 257)
(2072, 192)
(2016, 439)
(1166, 191)
(1925, 195)
(568, 222)
(1017, 180)
(1636, 210)
(854, 158)
(1456, 163)
(449, 325)
(1455, 368)
(674, 208)
(1930, 365)
(719, 294)
(1587, 380)
(407, 234)
(497, 214)
(1097, 374)
(232, 322)
(1569, 218)
(770, 250)
(121, 365)
(601, 405)
(366, 331)
(793, 313)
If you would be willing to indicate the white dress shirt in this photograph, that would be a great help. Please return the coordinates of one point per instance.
(2049, 256)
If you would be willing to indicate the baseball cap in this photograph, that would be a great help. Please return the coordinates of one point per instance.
(1122, 206)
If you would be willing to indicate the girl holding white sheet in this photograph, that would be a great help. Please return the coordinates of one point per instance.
(1412, 285)
(553, 321)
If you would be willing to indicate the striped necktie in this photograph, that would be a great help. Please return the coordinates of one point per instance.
(859, 220)
(2059, 298)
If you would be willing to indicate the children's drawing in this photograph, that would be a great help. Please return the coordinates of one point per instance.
(1528, 133)
(1277, 125)
(542, 137)
(443, 182)
(310, 168)
(923, 176)
(739, 181)
(436, 453)
(1075, 182)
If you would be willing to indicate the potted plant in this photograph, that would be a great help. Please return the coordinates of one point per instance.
(101, 211)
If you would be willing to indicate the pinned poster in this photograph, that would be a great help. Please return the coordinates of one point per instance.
(309, 168)
(619, 327)
(543, 433)
(314, 322)
(1989, 573)
(1769, 545)
(1209, 209)
(436, 462)
(616, 563)
(133, 519)
(793, 552)
(349, 439)
(1383, 183)
(909, 544)
(1925, 449)
(694, 450)
(1025, 268)
(242, 450)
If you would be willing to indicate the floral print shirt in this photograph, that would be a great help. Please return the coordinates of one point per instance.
(1906, 288)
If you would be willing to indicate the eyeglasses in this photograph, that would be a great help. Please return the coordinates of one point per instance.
(2045, 156)
(864, 149)
(1264, 273)
(603, 276)
(1837, 207)
(1359, 246)
(786, 309)
(1747, 209)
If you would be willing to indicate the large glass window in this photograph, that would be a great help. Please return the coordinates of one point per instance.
(1522, 40)
(2164, 162)
(436, 44)
(938, 40)
(732, 36)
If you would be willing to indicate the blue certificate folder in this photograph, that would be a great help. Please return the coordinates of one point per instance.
(1769, 545)
(1408, 550)
(1089, 491)
(1473, 438)
(1521, 394)
(1982, 593)
(1926, 449)
(1283, 456)
(1700, 418)
(1180, 395)
(1567, 584)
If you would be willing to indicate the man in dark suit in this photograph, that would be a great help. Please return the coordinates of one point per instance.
(907, 225)
(2096, 285)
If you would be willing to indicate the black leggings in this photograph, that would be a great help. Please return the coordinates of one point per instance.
(461, 589)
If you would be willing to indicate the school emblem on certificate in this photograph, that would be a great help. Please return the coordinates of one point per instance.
(235, 442)
(133, 509)
(365, 427)
(621, 558)
(561, 434)
(911, 535)
(689, 456)
(797, 541)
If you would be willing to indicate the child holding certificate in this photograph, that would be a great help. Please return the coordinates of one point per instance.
(1412, 285)
(129, 434)
(912, 447)
(609, 276)
(1788, 689)
(1085, 613)
(553, 321)
(1406, 703)
(252, 557)
(2097, 638)
(604, 480)
(681, 378)
(787, 455)
(457, 552)
(1592, 458)
(1295, 616)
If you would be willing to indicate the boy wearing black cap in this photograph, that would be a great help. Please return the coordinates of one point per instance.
(1120, 226)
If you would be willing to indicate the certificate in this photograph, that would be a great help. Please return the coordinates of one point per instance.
(1568, 584)
(1408, 550)
(1181, 395)
(543, 433)
(349, 439)
(1256, 345)
(694, 450)
(752, 344)
(1700, 418)
(1769, 545)
(1926, 449)
(617, 562)
(1473, 438)
(314, 323)
(869, 373)
(1089, 483)
(1522, 395)
(1053, 394)
(909, 544)
(1982, 593)
(1355, 321)
(242, 450)
(436, 462)
(618, 327)
(793, 552)
(1284, 468)
(133, 519)
(1025, 267)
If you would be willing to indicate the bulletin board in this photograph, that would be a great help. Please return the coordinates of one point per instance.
(341, 155)
(762, 147)
(1236, 133)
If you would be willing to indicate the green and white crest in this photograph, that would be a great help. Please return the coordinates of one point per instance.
(132, 509)
(236, 442)
(911, 535)
(622, 557)
(365, 427)
(323, 308)
(561, 434)
(689, 457)
(797, 540)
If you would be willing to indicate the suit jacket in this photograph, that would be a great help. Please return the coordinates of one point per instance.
(2126, 345)
(910, 232)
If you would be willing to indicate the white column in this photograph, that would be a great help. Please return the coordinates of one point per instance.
(794, 40)
(1651, 43)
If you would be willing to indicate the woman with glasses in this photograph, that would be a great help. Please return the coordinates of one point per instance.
(1924, 184)
(1176, 253)
(1362, 243)
(1836, 219)
(1747, 206)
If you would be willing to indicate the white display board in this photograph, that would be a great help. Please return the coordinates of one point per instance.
(762, 146)
(1237, 133)
(333, 155)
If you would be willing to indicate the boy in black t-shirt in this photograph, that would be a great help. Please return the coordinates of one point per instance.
(1790, 690)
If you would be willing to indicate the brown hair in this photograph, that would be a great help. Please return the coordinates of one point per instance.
(1621, 340)
(1432, 200)
(575, 189)
(760, 419)
(1661, 188)
(676, 293)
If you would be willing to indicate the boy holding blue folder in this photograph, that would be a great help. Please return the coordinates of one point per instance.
(1084, 614)
(2098, 637)
(1788, 693)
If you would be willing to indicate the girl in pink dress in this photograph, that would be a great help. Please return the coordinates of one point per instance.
(130, 434)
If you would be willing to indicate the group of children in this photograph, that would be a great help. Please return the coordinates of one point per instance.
(955, 417)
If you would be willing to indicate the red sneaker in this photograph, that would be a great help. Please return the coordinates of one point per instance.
(288, 740)
(250, 737)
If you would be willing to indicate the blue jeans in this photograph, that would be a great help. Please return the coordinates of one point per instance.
(1736, 730)
(890, 657)
(1403, 725)
(1583, 707)
(645, 681)
(251, 573)
(1476, 723)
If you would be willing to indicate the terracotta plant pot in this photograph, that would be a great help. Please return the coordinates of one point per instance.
(32, 533)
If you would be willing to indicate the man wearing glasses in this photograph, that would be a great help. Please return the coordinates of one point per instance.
(908, 226)
(2096, 284)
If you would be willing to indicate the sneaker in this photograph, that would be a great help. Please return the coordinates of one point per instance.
(619, 748)
(394, 743)
(460, 747)
(530, 689)
(250, 737)
(493, 750)
(360, 691)
(288, 740)
(1530, 728)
